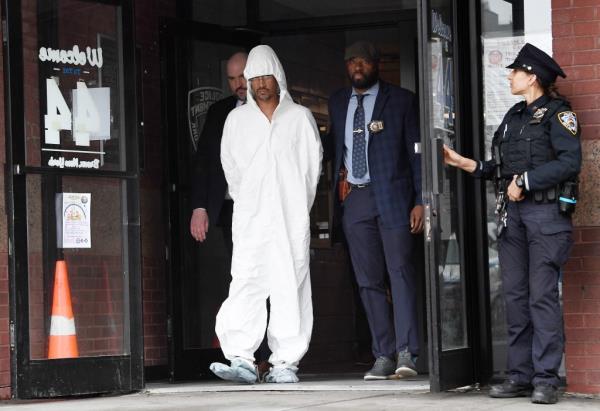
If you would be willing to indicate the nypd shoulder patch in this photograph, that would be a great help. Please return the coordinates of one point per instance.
(569, 121)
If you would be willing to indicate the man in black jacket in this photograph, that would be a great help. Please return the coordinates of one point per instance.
(211, 203)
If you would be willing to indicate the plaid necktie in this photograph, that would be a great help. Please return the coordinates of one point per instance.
(359, 157)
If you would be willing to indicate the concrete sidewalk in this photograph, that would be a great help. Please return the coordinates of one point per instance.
(313, 393)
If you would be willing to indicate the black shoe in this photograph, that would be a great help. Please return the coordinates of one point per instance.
(383, 368)
(405, 366)
(544, 394)
(510, 389)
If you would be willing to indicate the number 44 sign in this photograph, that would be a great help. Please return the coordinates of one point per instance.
(91, 114)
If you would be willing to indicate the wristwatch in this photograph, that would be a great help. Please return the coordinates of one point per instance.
(519, 181)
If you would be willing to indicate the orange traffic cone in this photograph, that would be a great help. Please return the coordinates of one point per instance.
(63, 341)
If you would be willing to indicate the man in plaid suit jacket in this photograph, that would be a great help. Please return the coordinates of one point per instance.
(373, 135)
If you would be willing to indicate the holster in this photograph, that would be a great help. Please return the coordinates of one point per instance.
(344, 187)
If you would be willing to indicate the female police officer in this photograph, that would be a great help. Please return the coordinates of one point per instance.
(537, 154)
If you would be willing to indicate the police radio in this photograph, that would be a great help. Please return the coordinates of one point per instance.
(567, 200)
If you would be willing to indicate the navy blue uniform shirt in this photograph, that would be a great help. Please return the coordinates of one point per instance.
(564, 133)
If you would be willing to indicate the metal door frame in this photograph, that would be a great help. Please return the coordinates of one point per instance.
(33, 378)
(472, 364)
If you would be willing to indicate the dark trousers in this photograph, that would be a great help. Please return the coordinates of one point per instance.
(224, 221)
(377, 251)
(535, 244)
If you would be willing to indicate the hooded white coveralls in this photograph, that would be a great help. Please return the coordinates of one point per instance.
(272, 170)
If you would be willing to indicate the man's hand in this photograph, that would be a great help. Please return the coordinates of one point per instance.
(514, 192)
(416, 219)
(199, 224)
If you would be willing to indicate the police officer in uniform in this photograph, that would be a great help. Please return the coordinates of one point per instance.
(536, 160)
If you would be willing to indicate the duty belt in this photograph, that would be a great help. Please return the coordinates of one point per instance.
(364, 185)
(549, 195)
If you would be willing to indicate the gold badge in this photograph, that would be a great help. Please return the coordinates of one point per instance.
(375, 126)
(569, 121)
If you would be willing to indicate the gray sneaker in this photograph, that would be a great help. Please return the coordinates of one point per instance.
(382, 369)
(405, 366)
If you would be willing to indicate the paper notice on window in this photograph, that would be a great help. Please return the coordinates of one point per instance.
(499, 52)
(76, 219)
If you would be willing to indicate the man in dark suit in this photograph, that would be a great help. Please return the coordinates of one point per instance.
(373, 137)
(211, 203)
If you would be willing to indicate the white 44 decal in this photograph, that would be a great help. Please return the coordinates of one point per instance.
(84, 121)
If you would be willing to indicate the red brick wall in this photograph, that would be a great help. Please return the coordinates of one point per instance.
(581, 298)
(576, 32)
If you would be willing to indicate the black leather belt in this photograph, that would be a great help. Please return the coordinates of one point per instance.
(365, 185)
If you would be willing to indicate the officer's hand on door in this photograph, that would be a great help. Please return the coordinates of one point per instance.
(452, 158)
(515, 193)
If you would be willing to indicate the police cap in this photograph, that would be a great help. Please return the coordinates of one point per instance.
(362, 49)
(534, 60)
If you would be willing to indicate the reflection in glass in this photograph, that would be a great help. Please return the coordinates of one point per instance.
(97, 275)
(451, 276)
(73, 89)
(293, 9)
(227, 13)
(73, 70)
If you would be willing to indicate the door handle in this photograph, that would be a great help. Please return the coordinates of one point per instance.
(437, 165)
(428, 223)
(430, 214)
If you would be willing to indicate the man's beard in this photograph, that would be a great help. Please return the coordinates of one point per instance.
(241, 93)
(367, 81)
(264, 96)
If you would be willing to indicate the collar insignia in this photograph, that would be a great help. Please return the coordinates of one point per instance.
(539, 113)
(569, 121)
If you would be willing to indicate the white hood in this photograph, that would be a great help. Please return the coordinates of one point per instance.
(262, 61)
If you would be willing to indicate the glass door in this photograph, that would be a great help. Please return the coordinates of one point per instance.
(194, 60)
(74, 261)
(450, 351)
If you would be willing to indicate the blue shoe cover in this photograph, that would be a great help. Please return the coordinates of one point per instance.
(281, 375)
(239, 371)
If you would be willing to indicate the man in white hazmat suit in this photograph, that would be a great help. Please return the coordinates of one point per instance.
(271, 154)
